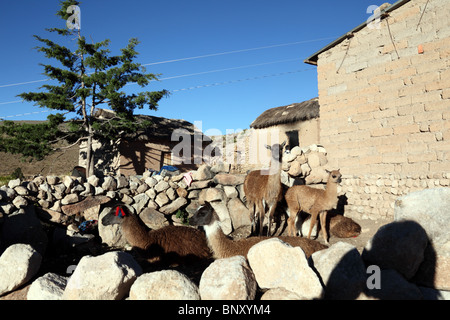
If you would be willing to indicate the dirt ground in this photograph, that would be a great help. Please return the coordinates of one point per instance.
(368, 229)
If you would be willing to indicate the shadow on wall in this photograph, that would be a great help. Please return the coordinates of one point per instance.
(395, 262)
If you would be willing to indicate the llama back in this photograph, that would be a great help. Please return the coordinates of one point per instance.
(304, 196)
(253, 183)
(182, 241)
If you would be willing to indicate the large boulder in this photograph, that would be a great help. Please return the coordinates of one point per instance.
(239, 214)
(164, 285)
(18, 264)
(434, 270)
(342, 271)
(393, 286)
(280, 294)
(228, 279)
(48, 287)
(105, 277)
(429, 208)
(111, 234)
(398, 245)
(277, 264)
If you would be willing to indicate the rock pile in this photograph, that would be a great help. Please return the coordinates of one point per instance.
(307, 164)
(160, 199)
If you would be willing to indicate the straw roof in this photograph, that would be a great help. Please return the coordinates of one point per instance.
(159, 128)
(295, 112)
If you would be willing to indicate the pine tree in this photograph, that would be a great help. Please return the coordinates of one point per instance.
(80, 92)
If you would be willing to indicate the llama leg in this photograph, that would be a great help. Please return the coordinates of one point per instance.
(262, 213)
(314, 214)
(293, 209)
(251, 210)
(271, 213)
(323, 221)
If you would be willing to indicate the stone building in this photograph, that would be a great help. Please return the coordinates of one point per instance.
(384, 94)
(164, 142)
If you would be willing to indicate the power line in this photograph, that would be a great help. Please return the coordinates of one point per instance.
(198, 73)
(197, 87)
(238, 51)
(23, 114)
(241, 80)
(10, 102)
(195, 57)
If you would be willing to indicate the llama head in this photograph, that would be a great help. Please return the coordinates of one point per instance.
(115, 216)
(276, 150)
(335, 175)
(205, 215)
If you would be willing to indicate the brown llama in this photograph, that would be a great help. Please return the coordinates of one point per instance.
(313, 201)
(224, 247)
(263, 187)
(170, 245)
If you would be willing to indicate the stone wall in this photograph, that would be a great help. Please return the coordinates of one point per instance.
(171, 196)
(373, 196)
(385, 107)
(63, 198)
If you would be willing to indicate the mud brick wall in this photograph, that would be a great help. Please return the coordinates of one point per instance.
(385, 107)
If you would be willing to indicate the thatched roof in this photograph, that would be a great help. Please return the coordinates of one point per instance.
(160, 128)
(295, 112)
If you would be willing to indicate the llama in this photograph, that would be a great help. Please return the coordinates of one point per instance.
(264, 187)
(339, 226)
(170, 245)
(313, 201)
(224, 247)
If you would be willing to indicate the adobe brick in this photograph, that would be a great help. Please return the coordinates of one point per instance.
(410, 128)
(381, 132)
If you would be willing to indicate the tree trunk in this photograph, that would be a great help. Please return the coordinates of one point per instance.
(89, 154)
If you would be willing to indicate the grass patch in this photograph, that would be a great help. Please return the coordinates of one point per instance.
(14, 175)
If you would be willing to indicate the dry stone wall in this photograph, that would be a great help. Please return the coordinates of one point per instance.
(162, 199)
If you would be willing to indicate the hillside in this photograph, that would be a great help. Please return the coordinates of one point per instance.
(58, 163)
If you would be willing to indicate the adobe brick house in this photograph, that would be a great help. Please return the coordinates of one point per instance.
(297, 123)
(384, 97)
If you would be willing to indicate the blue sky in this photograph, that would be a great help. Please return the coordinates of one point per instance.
(280, 34)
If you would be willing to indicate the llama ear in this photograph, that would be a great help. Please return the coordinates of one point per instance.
(268, 147)
(283, 144)
(120, 212)
(328, 171)
(207, 204)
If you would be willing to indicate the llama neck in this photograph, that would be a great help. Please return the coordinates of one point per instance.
(136, 235)
(331, 189)
(217, 240)
(274, 170)
(331, 194)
